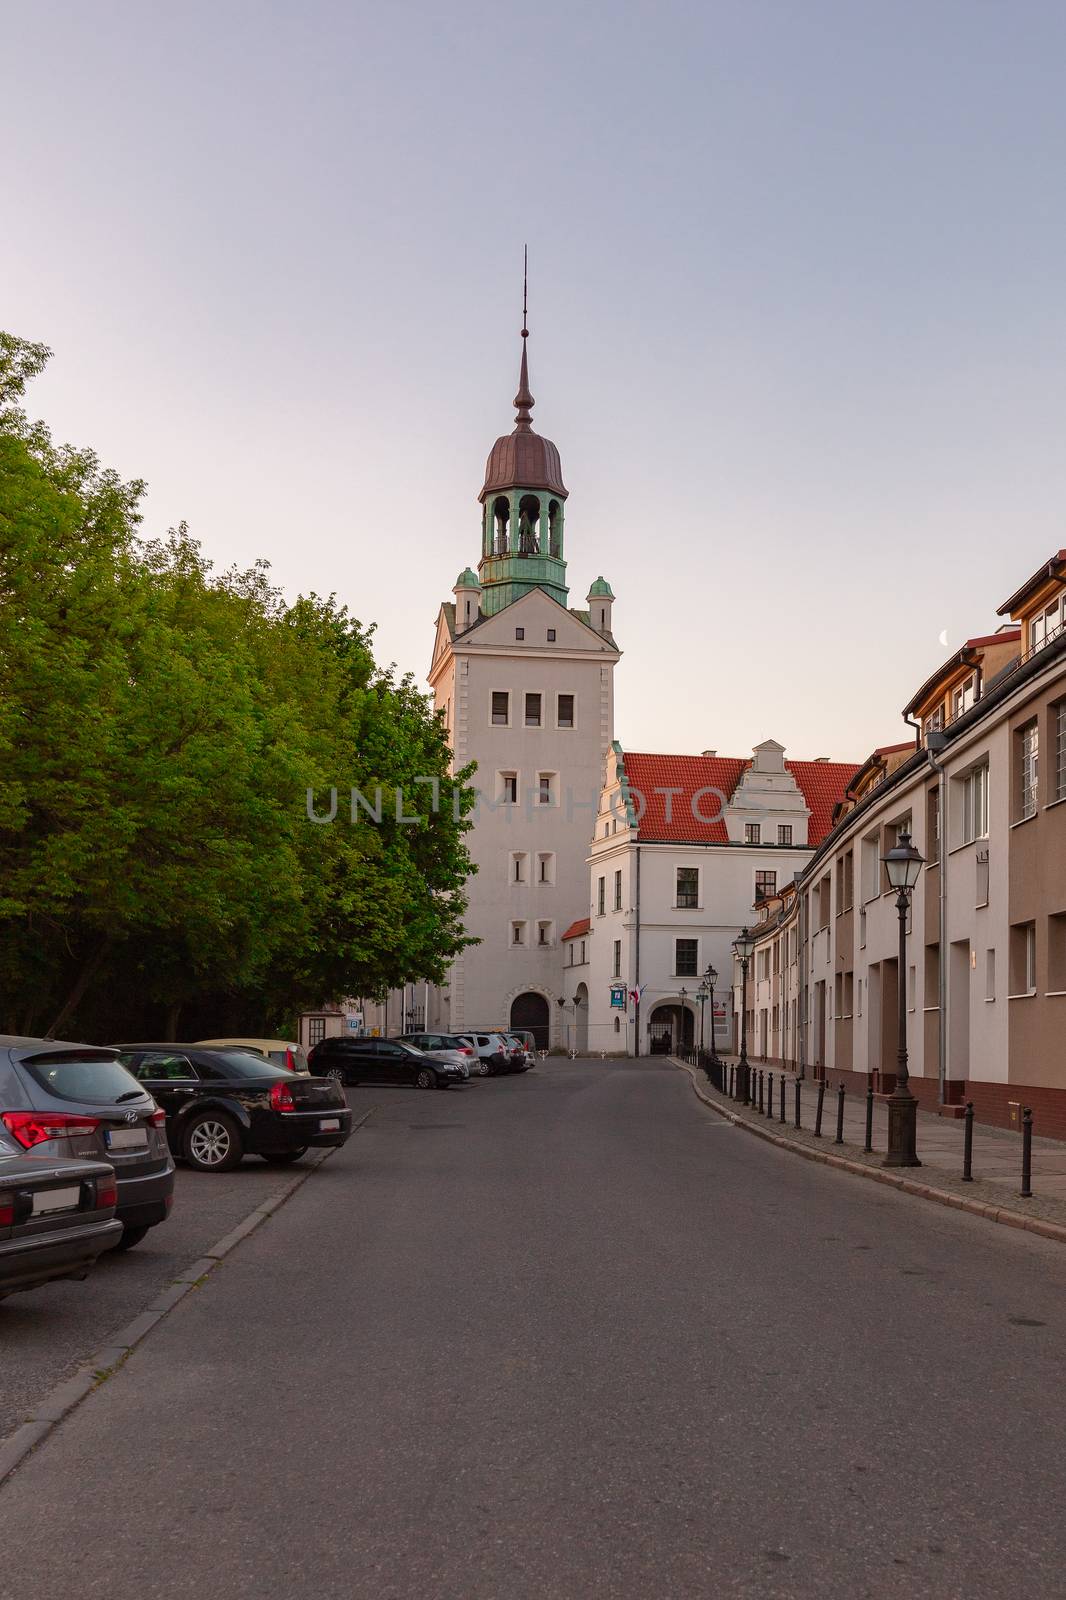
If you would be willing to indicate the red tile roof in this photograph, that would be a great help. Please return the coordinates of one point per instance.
(576, 929)
(693, 811)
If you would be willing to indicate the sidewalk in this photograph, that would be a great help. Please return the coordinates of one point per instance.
(995, 1190)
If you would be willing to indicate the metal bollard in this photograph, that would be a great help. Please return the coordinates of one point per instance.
(760, 1088)
(868, 1146)
(770, 1095)
(967, 1144)
(1027, 1153)
(732, 1085)
(840, 1114)
(797, 1102)
(818, 1109)
(782, 1097)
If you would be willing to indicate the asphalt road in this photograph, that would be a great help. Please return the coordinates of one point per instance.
(570, 1335)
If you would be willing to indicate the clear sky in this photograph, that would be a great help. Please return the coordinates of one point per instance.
(797, 303)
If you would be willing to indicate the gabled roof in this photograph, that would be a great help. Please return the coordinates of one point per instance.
(1055, 567)
(576, 929)
(675, 817)
(969, 655)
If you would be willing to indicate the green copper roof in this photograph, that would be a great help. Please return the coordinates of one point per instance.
(601, 587)
(467, 579)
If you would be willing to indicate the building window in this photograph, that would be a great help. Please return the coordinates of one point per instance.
(518, 873)
(565, 718)
(617, 958)
(1023, 958)
(1058, 723)
(518, 933)
(932, 825)
(544, 933)
(765, 884)
(934, 722)
(501, 708)
(1046, 627)
(618, 891)
(532, 710)
(1028, 762)
(571, 958)
(1056, 953)
(509, 788)
(963, 698)
(688, 888)
(546, 869)
(551, 635)
(752, 833)
(686, 957)
(990, 974)
(784, 833)
(544, 789)
(601, 896)
(582, 952)
(520, 633)
(975, 805)
(316, 1030)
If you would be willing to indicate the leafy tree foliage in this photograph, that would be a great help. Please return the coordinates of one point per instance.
(160, 729)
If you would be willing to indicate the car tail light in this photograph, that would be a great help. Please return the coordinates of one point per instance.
(35, 1127)
(7, 1209)
(465, 1050)
(106, 1192)
(158, 1119)
(290, 1061)
(281, 1097)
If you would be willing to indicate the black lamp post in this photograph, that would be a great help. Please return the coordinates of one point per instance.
(743, 945)
(681, 1022)
(903, 863)
(710, 978)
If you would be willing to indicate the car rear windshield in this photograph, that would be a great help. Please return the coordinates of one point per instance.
(241, 1064)
(98, 1081)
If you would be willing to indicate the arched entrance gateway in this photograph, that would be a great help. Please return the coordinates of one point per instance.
(531, 1011)
(670, 1027)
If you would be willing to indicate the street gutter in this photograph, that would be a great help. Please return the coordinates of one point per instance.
(49, 1412)
(924, 1191)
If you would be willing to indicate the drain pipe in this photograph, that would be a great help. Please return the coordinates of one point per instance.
(935, 740)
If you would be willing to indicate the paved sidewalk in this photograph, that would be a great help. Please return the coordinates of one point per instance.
(997, 1152)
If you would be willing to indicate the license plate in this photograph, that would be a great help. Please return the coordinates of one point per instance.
(56, 1200)
(127, 1139)
(329, 1124)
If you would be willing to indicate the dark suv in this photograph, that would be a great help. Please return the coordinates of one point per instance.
(77, 1100)
(380, 1061)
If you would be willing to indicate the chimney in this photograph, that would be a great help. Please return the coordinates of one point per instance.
(822, 758)
(708, 752)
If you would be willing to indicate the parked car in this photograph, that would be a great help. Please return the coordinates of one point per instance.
(381, 1061)
(443, 1047)
(519, 1055)
(56, 1217)
(490, 1050)
(526, 1039)
(78, 1101)
(222, 1105)
(279, 1052)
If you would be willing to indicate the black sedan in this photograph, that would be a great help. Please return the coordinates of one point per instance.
(222, 1105)
(350, 1060)
(56, 1217)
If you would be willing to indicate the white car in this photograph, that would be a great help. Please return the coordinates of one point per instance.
(491, 1050)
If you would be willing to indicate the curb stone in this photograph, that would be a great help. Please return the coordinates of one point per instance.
(61, 1401)
(923, 1191)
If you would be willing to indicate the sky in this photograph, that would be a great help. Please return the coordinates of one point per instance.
(796, 309)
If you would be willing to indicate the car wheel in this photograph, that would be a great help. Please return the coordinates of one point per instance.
(483, 1068)
(337, 1074)
(425, 1078)
(212, 1143)
(283, 1158)
(130, 1237)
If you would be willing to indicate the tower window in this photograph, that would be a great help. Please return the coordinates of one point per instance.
(518, 868)
(544, 933)
(508, 789)
(784, 833)
(532, 710)
(546, 868)
(520, 633)
(618, 958)
(501, 708)
(544, 789)
(752, 833)
(551, 635)
(518, 933)
(566, 711)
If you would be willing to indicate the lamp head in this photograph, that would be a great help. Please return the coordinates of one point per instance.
(903, 863)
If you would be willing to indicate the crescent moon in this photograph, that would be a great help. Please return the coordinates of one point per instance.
(944, 638)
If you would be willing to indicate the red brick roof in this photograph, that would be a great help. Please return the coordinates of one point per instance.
(576, 929)
(678, 817)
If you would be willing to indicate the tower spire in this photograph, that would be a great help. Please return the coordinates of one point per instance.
(523, 399)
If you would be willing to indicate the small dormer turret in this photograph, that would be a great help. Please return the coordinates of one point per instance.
(600, 601)
(467, 593)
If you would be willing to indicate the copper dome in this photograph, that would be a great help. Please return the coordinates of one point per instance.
(522, 459)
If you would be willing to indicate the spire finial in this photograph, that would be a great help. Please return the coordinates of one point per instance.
(523, 399)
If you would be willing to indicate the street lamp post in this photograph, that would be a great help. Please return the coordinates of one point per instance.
(681, 1024)
(743, 945)
(710, 978)
(701, 996)
(903, 863)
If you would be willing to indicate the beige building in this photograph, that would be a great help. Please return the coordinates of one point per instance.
(982, 793)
